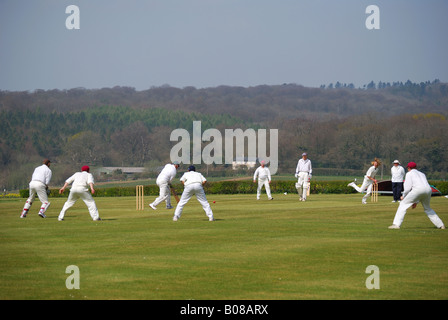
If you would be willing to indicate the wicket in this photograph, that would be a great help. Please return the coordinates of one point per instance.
(139, 194)
(374, 192)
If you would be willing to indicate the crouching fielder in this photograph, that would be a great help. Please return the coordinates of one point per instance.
(80, 189)
(369, 180)
(416, 189)
(193, 182)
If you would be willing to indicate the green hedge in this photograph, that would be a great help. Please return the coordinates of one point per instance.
(234, 187)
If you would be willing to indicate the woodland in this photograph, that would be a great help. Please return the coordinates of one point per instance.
(341, 127)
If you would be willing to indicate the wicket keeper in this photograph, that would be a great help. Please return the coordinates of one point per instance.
(39, 185)
(193, 182)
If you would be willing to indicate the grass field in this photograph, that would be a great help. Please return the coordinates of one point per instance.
(276, 250)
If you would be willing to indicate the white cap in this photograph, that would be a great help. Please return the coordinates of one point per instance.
(396, 161)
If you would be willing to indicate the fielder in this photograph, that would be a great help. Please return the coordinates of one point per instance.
(369, 180)
(164, 182)
(416, 189)
(304, 172)
(39, 185)
(193, 182)
(80, 189)
(264, 179)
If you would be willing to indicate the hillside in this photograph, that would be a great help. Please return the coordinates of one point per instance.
(260, 103)
(341, 127)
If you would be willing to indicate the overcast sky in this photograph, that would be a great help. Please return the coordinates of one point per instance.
(207, 43)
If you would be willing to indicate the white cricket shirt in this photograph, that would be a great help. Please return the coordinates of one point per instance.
(191, 177)
(397, 173)
(372, 172)
(81, 180)
(42, 174)
(262, 173)
(304, 166)
(415, 180)
(167, 174)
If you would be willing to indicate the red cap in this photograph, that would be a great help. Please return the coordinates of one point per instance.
(85, 168)
(412, 165)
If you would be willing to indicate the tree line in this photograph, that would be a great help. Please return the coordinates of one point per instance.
(341, 128)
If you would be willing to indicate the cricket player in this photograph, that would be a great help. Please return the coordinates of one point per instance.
(304, 172)
(369, 180)
(264, 179)
(416, 189)
(164, 182)
(193, 182)
(82, 181)
(39, 185)
(397, 172)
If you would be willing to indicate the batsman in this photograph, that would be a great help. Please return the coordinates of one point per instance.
(164, 182)
(303, 174)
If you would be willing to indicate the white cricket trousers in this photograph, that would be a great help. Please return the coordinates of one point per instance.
(416, 195)
(76, 194)
(189, 191)
(302, 184)
(366, 185)
(37, 187)
(263, 182)
(164, 194)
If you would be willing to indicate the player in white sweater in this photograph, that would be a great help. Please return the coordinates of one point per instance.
(81, 182)
(39, 185)
(193, 182)
(304, 171)
(416, 189)
(164, 182)
(264, 179)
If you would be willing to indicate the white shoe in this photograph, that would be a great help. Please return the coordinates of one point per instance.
(152, 207)
(175, 218)
(211, 219)
(60, 219)
(42, 215)
(351, 184)
(364, 202)
(442, 227)
(394, 227)
(394, 201)
(23, 215)
(97, 219)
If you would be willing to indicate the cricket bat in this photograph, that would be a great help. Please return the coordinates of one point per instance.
(175, 194)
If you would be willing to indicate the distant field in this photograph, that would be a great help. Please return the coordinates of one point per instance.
(278, 250)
